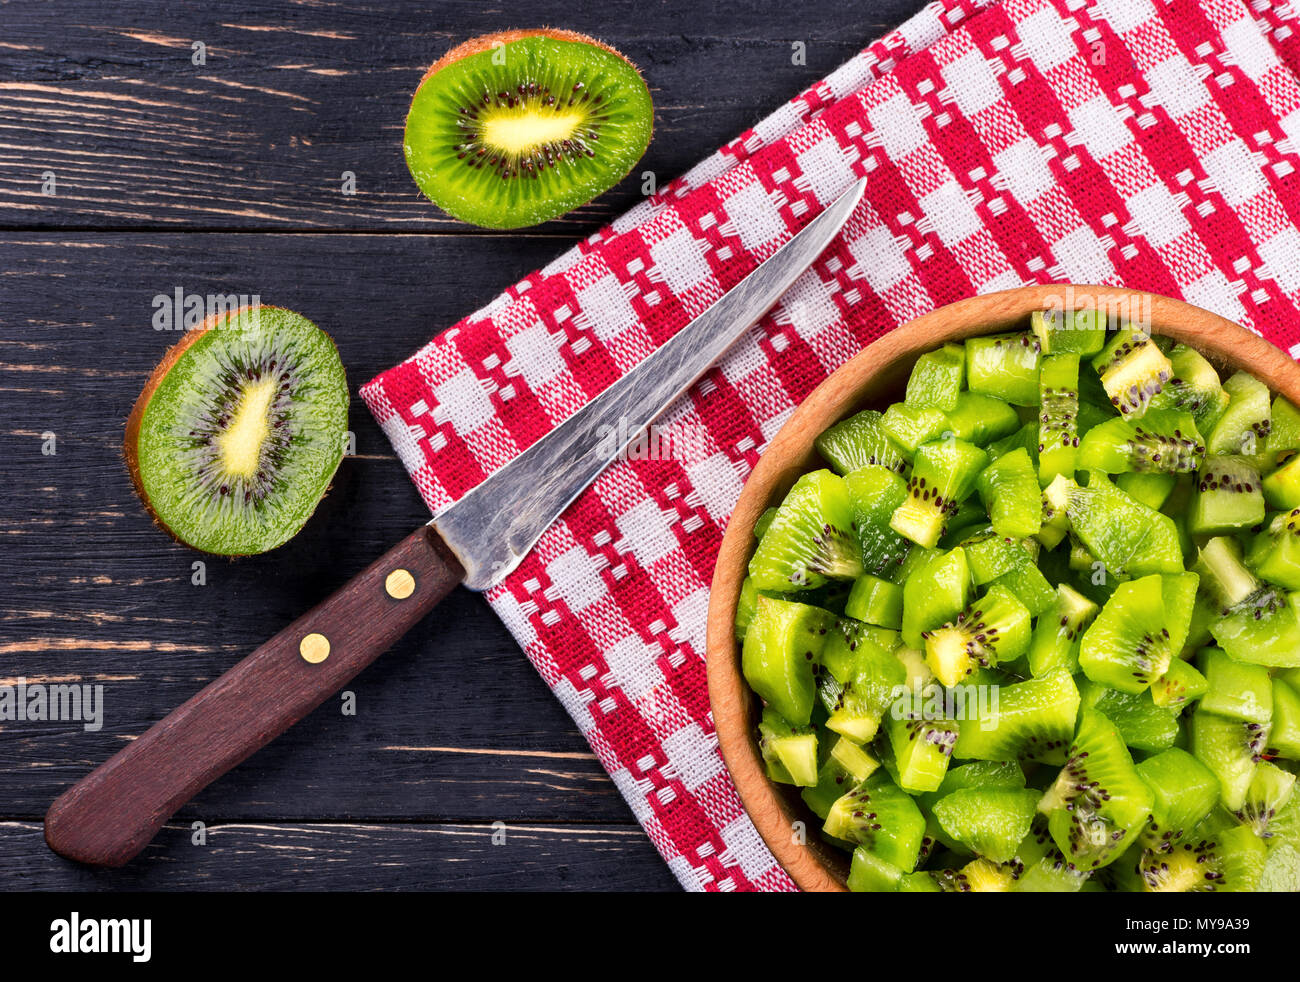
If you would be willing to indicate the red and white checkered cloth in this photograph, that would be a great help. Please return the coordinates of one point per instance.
(1151, 145)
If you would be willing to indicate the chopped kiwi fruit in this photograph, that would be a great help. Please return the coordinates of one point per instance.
(1231, 749)
(936, 379)
(1031, 720)
(1133, 371)
(1009, 489)
(981, 419)
(1055, 642)
(811, 538)
(782, 644)
(1077, 332)
(943, 474)
(994, 628)
(1183, 792)
(764, 522)
(860, 441)
(1180, 684)
(1244, 425)
(239, 430)
(1098, 802)
(519, 127)
(980, 628)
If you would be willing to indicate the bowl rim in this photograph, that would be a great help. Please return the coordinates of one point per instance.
(779, 820)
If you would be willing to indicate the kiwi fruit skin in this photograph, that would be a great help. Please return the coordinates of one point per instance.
(332, 407)
(437, 176)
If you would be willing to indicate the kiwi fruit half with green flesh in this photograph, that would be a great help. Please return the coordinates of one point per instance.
(1058, 416)
(782, 644)
(1031, 720)
(1160, 442)
(1138, 632)
(1229, 496)
(1231, 749)
(1078, 332)
(1129, 538)
(994, 628)
(519, 127)
(1055, 643)
(1231, 861)
(860, 441)
(239, 430)
(811, 538)
(989, 822)
(1142, 724)
(981, 419)
(1236, 690)
(881, 818)
(1244, 425)
(921, 746)
(943, 475)
(1270, 789)
(1009, 489)
(1275, 553)
(1264, 630)
(1284, 740)
(1098, 803)
(1133, 371)
(1183, 792)
(874, 494)
(1180, 684)
(1223, 575)
(937, 378)
(1194, 388)
(789, 751)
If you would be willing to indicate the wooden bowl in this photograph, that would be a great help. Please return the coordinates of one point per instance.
(875, 377)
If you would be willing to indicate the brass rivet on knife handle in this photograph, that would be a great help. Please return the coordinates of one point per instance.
(399, 584)
(314, 648)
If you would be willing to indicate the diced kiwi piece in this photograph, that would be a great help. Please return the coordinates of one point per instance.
(1159, 442)
(238, 432)
(745, 607)
(1138, 633)
(1133, 370)
(937, 378)
(1231, 861)
(1005, 366)
(1264, 630)
(793, 747)
(1055, 643)
(1270, 789)
(1194, 388)
(1275, 554)
(1284, 430)
(1129, 538)
(519, 127)
(1282, 487)
(1180, 684)
(783, 642)
(1098, 803)
(1025, 438)
(848, 643)
(1142, 724)
(868, 873)
(1031, 720)
(989, 822)
(990, 555)
(1231, 749)
(981, 419)
(1081, 332)
(1223, 576)
(881, 818)
(875, 493)
(764, 522)
(1052, 874)
(943, 474)
(994, 628)
(1029, 585)
(1058, 416)
(1009, 489)
(860, 441)
(1228, 497)
(934, 594)
(1183, 792)
(844, 766)
(908, 427)
(1055, 504)
(875, 601)
(1152, 490)
(863, 700)
(1245, 423)
(811, 538)
(1236, 690)
(921, 746)
(984, 774)
(1284, 738)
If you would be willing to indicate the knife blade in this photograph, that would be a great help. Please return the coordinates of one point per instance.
(114, 812)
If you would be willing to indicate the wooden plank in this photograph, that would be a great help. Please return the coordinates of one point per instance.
(105, 97)
(353, 857)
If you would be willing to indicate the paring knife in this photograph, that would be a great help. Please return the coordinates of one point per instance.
(109, 816)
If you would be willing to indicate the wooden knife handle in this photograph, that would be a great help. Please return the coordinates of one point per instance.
(110, 815)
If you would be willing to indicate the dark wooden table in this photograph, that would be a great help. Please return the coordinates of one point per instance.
(226, 177)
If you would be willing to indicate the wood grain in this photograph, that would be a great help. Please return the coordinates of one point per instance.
(875, 377)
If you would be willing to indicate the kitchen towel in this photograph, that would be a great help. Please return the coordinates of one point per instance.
(1123, 142)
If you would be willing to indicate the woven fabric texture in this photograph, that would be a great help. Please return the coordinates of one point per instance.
(1148, 145)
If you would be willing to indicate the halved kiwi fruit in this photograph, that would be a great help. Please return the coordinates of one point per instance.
(519, 127)
(239, 430)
